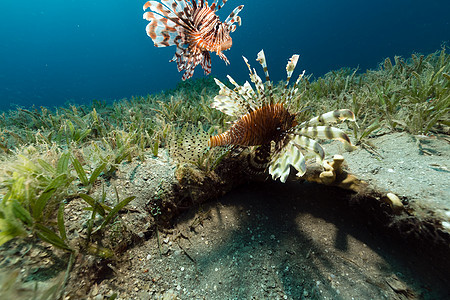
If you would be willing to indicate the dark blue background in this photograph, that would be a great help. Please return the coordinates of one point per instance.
(56, 51)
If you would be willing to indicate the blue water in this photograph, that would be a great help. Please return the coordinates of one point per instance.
(54, 52)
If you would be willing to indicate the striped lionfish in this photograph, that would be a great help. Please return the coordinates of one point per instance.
(194, 28)
(267, 121)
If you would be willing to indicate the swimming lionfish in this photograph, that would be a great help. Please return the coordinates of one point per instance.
(267, 121)
(194, 28)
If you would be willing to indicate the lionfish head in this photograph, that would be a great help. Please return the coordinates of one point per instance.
(226, 44)
(264, 119)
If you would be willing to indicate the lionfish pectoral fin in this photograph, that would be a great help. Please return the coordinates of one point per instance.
(161, 30)
(206, 62)
(310, 145)
(223, 57)
(290, 156)
(330, 117)
(327, 132)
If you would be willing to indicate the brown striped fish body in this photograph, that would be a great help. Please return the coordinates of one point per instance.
(267, 121)
(258, 127)
(194, 28)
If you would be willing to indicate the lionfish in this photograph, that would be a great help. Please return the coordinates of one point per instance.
(267, 121)
(194, 28)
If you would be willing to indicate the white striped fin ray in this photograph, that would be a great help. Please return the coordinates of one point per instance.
(260, 99)
(309, 145)
(165, 33)
(181, 8)
(162, 9)
(261, 58)
(330, 117)
(233, 18)
(290, 156)
(229, 102)
(245, 93)
(168, 11)
(176, 5)
(250, 94)
(290, 67)
(326, 132)
(215, 6)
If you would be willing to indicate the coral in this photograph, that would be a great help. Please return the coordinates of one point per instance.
(334, 174)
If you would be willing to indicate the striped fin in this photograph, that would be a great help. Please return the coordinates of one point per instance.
(166, 26)
(180, 58)
(258, 83)
(310, 145)
(294, 89)
(162, 31)
(249, 95)
(229, 102)
(291, 156)
(261, 58)
(206, 62)
(175, 5)
(233, 18)
(190, 63)
(216, 6)
(179, 14)
(243, 91)
(290, 67)
(330, 117)
(326, 132)
(160, 9)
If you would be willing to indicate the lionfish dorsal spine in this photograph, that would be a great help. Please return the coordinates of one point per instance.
(290, 67)
(233, 18)
(246, 102)
(229, 102)
(261, 58)
(219, 6)
(260, 97)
